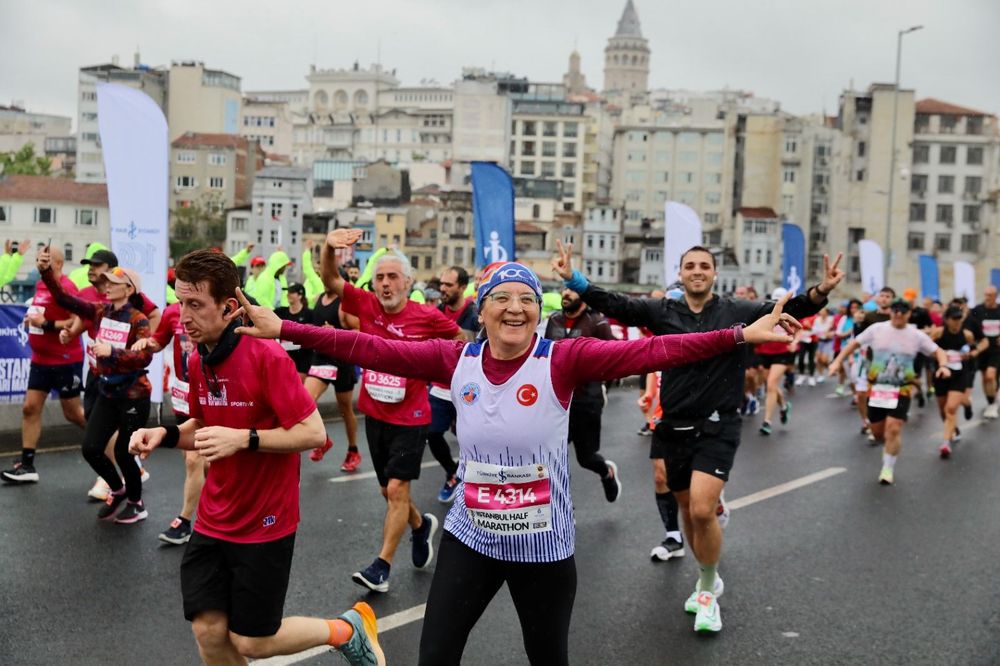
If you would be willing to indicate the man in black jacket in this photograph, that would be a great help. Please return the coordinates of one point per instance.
(576, 320)
(700, 431)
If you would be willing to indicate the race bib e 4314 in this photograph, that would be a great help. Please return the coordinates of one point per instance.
(508, 500)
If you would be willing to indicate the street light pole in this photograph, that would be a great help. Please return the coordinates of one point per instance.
(892, 153)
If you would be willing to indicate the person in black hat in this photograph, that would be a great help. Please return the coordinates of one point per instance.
(297, 311)
(959, 344)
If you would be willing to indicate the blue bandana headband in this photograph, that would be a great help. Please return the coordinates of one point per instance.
(508, 272)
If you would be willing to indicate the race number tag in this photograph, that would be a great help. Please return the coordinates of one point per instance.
(35, 310)
(441, 393)
(508, 500)
(327, 372)
(384, 387)
(289, 346)
(179, 391)
(885, 396)
(991, 328)
(114, 333)
(954, 359)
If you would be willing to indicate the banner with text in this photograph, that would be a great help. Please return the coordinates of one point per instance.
(136, 158)
(493, 211)
(872, 266)
(965, 281)
(793, 258)
(929, 286)
(681, 232)
(15, 354)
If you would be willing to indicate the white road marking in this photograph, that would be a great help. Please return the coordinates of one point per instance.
(371, 475)
(410, 615)
(47, 449)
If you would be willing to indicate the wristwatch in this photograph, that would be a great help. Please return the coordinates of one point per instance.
(254, 440)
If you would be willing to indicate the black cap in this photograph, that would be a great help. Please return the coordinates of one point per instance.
(953, 312)
(297, 287)
(899, 305)
(102, 257)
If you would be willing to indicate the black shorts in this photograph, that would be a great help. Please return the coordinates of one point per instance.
(246, 581)
(958, 382)
(302, 358)
(347, 377)
(396, 450)
(710, 449)
(767, 360)
(66, 378)
(989, 358)
(900, 411)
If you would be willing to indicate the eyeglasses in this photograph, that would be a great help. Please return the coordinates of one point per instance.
(503, 299)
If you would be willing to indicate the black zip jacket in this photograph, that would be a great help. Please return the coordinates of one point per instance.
(696, 390)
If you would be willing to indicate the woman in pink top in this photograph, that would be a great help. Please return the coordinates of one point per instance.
(537, 563)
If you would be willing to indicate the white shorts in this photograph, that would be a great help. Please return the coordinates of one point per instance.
(858, 375)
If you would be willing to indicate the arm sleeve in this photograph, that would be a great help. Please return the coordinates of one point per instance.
(581, 360)
(85, 309)
(627, 310)
(352, 299)
(433, 360)
(240, 257)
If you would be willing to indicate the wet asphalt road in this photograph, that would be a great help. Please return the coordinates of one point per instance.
(840, 570)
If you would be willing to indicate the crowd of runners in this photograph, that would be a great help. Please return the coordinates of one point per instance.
(484, 360)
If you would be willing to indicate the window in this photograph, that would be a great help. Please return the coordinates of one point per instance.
(216, 182)
(713, 158)
(970, 213)
(527, 168)
(217, 159)
(4, 215)
(569, 150)
(569, 190)
(713, 197)
(260, 236)
(570, 129)
(549, 128)
(86, 217)
(859, 175)
(635, 176)
(569, 170)
(688, 156)
(548, 149)
(789, 176)
(946, 184)
(45, 215)
(536, 211)
(88, 96)
(688, 137)
(428, 262)
(687, 177)
(974, 155)
(548, 169)
(915, 241)
(238, 224)
(275, 236)
(970, 242)
(528, 148)
(295, 210)
(944, 213)
(185, 157)
(973, 125)
(275, 211)
(791, 145)
(635, 156)
(918, 212)
(460, 226)
(662, 156)
(529, 128)
(973, 185)
(918, 184)
(947, 155)
(746, 256)
(942, 242)
(921, 153)
(948, 124)
(68, 252)
(711, 218)
(922, 123)
(861, 148)
(186, 182)
(444, 255)
(414, 262)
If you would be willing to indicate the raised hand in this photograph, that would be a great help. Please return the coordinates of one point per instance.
(832, 275)
(23, 247)
(777, 326)
(343, 237)
(42, 260)
(562, 263)
(264, 323)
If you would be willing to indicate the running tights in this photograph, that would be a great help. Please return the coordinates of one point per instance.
(125, 416)
(466, 581)
(807, 358)
(442, 452)
(585, 433)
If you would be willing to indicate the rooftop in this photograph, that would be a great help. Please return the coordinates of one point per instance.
(759, 213)
(933, 106)
(58, 190)
(628, 24)
(202, 140)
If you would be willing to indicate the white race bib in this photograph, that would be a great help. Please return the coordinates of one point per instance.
(508, 500)
(114, 333)
(954, 359)
(991, 327)
(179, 391)
(327, 372)
(35, 310)
(441, 392)
(385, 387)
(289, 346)
(885, 396)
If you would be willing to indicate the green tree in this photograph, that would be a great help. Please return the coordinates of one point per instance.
(24, 162)
(200, 224)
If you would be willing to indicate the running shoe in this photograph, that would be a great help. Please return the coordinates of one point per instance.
(111, 505)
(957, 437)
(991, 411)
(866, 429)
(317, 454)
(821, 379)
(363, 648)
(944, 451)
(722, 511)
(133, 512)
(99, 491)
(812, 381)
(352, 461)
(931, 391)
(422, 539)
(968, 412)
(920, 398)
(840, 390)
(753, 406)
(669, 549)
(785, 411)
(800, 380)
(447, 493)
(20, 473)
(691, 605)
(179, 532)
(872, 440)
(885, 476)
(375, 577)
(612, 484)
(645, 431)
(765, 428)
(708, 618)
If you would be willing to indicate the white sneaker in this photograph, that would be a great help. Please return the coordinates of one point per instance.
(820, 379)
(708, 617)
(691, 605)
(991, 411)
(100, 491)
(812, 381)
(800, 380)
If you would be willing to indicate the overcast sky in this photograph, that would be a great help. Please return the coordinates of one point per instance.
(801, 52)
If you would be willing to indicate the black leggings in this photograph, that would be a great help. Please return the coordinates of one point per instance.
(466, 581)
(807, 358)
(585, 433)
(125, 416)
(442, 452)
